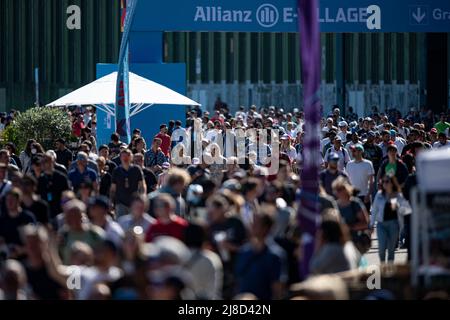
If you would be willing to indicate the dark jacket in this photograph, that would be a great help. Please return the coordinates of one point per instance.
(401, 174)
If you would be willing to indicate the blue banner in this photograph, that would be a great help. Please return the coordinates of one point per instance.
(122, 110)
(282, 16)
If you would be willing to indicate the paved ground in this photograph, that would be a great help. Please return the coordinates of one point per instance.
(372, 255)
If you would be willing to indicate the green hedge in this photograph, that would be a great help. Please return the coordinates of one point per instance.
(43, 124)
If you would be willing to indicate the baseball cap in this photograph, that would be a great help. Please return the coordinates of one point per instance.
(232, 185)
(358, 146)
(338, 138)
(368, 119)
(61, 140)
(284, 137)
(393, 132)
(343, 124)
(371, 134)
(333, 156)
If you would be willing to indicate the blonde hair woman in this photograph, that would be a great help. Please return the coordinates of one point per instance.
(351, 208)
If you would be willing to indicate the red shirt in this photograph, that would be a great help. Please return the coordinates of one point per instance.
(76, 128)
(217, 118)
(175, 229)
(165, 145)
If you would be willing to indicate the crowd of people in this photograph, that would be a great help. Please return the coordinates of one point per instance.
(123, 221)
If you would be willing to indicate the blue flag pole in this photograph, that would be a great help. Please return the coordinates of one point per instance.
(122, 110)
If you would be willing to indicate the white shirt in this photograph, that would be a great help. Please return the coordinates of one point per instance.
(359, 174)
(212, 135)
(380, 127)
(241, 114)
(128, 222)
(343, 135)
(207, 272)
(291, 153)
(403, 132)
(400, 143)
(379, 202)
(323, 143)
(114, 232)
(5, 187)
(92, 275)
(438, 145)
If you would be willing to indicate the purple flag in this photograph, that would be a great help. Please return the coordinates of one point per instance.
(311, 57)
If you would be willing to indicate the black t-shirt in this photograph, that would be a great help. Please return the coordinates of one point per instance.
(350, 212)
(235, 234)
(40, 210)
(64, 157)
(390, 211)
(409, 161)
(406, 148)
(127, 183)
(111, 166)
(44, 287)
(105, 184)
(234, 229)
(116, 161)
(327, 178)
(17, 160)
(363, 132)
(61, 168)
(374, 154)
(9, 227)
(50, 188)
(150, 179)
(410, 183)
(114, 148)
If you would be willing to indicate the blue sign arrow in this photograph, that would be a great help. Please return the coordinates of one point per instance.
(419, 16)
(281, 15)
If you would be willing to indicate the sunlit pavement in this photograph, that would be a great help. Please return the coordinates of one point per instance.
(401, 255)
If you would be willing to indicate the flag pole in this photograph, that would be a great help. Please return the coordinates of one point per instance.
(122, 110)
(310, 54)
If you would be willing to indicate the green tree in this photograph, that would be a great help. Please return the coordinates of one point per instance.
(44, 124)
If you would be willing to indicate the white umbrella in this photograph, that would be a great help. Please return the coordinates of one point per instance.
(143, 92)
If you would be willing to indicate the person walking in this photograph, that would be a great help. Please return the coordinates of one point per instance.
(388, 208)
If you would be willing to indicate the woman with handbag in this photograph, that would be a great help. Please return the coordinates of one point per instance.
(352, 210)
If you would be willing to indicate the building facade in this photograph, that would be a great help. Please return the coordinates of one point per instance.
(361, 70)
